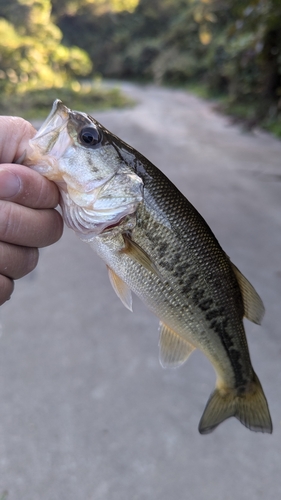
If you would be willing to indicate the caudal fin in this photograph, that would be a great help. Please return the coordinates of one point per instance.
(250, 408)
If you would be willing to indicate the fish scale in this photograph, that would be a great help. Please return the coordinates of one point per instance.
(180, 307)
(156, 244)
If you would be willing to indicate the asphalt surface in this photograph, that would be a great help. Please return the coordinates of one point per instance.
(86, 410)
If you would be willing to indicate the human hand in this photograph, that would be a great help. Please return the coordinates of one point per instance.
(28, 220)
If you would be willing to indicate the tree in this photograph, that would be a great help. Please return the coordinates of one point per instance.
(31, 52)
(234, 47)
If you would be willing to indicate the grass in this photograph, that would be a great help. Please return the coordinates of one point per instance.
(200, 90)
(85, 96)
(274, 126)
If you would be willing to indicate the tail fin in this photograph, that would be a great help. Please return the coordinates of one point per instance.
(250, 408)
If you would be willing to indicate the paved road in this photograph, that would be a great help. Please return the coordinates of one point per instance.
(86, 411)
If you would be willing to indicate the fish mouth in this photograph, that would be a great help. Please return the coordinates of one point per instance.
(50, 142)
(53, 138)
(56, 120)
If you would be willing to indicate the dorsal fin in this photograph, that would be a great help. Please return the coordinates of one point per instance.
(253, 305)
(121, 289)
(173, 349)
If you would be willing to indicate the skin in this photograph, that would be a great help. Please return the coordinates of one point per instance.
(28, 220)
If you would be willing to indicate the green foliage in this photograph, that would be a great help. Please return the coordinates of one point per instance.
(87, 97)
(122, 44)
(232, 47)
(98, 7)
(31, 53)
(36, 67)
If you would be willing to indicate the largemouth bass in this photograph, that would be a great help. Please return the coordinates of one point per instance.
(157, 245)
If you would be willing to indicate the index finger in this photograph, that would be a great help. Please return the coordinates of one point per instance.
(26, 187)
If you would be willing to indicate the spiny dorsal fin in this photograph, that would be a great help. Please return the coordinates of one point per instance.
(121, 289)
(173, 349)
(138, 254)
(253, 305)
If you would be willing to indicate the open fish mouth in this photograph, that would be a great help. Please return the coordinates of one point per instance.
(57, 119)
(50, 142)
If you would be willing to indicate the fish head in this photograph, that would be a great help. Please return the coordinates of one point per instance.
(98, 188)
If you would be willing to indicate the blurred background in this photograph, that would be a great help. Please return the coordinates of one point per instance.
(86, 410)
(230, 51)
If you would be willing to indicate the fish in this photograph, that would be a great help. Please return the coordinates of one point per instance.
(155, 244)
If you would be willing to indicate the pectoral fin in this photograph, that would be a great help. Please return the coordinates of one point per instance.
(138, 254)
(173, 349)
(253, 305)
(121, 289)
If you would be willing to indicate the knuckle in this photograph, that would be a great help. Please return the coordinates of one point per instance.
(46, 194)
(9, 224)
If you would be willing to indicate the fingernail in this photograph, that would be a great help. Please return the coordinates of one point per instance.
(9, 184)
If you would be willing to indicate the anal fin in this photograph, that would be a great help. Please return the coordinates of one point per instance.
(121, 289)
(173, 349)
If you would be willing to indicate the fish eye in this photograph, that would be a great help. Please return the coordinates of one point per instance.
(89, 136)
